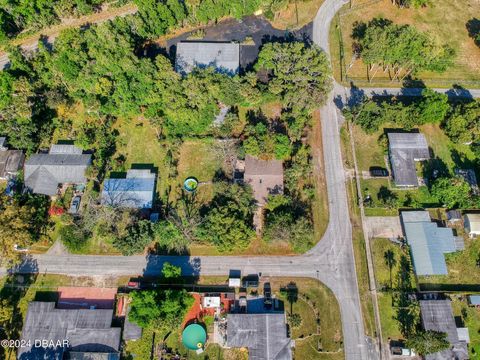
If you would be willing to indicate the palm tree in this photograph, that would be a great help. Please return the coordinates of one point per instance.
(390, 261)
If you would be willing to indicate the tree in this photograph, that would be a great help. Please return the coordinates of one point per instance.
(428, 342)
(138, 236)
(169, 236)
(160, 310)
(390, 261)
(23, 220)
(228, 219)
(401, 48)
(299, 74)
(462, 124)
(452, 192)
(432, 108)
(170, 271)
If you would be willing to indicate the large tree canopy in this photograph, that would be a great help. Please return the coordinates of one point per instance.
(384, 43)
(300, 74)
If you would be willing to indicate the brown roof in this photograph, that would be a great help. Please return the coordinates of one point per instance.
(264, 176)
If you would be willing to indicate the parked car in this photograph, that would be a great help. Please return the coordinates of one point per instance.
(267, 295)
(378, 171)
(134, 285)
(75, 205)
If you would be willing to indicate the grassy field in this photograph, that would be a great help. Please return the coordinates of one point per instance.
(444, 19)
(296, 14)
(390, 326)
(314, 300)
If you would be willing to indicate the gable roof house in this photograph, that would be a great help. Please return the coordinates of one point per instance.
(135, 191)
(89, 333)
(437, 315)
(404, 150)
(11, 161)
(265, 335)
(224, 56)
(428, 242)
(64, 164)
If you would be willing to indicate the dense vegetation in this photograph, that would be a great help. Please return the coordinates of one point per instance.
(399, 48)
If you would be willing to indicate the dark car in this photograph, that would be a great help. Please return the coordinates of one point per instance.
(267, 295)
(75, 205)
(378, 172)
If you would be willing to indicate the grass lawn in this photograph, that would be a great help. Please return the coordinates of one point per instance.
(389, 325)
(314, 300)
(444, 19)
(463, 273)
(296, 14)
(138, 143)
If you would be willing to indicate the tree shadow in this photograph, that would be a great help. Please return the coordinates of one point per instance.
(190, 266)
(459, 92)
(291, 293)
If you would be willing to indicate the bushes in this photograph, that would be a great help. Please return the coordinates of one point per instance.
(139, 235)
(73, 237)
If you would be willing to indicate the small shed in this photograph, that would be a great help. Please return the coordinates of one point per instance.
(472, 224)
(454, 216)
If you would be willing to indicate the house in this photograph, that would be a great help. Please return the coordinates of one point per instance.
(471, 223)
(223, 56)
(404, 150)
(265, 177)
(82, 333)
(64, 164)
(265, 335)
(474, 300)
(11, 161)
(437, 315)
(135, 191)
(211, 302)
(469, 176)
(428, 242)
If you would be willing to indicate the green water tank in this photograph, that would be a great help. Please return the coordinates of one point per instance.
(194, 337)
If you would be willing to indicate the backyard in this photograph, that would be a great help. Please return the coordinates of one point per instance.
(372, 151)
(446, 20)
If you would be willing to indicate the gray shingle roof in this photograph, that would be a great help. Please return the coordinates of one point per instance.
(265, 335)
(43, 172)
(131, 331)
(224, 56)
(92, 356)
(11, 162)
(87, 330)
(437, 315)
(428, 243)
(404, 150)
(65, 149)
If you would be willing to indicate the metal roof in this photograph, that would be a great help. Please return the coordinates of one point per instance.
(472, 223)
(92, 356)
(135, 191)
(265, 335)
(131, 331)
(474, 299)
(224, 56)
(65, 149)
(437, 315)
(428, 244)
(404, 150)
(11, 162)
(86, 330)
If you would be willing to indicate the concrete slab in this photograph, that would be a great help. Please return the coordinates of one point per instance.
(384, 226)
